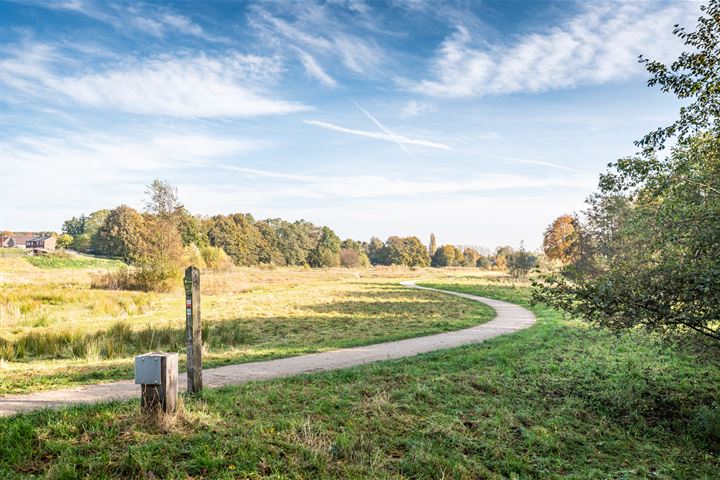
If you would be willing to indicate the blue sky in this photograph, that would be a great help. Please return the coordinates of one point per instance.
(479, 121)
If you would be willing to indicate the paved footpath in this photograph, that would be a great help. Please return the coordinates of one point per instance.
(509, 318)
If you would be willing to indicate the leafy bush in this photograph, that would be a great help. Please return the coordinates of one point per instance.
(352, 258)
(216, 259)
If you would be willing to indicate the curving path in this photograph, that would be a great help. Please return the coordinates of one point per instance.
(509, 318)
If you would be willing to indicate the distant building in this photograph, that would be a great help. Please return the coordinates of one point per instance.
(15, 240)
(44, 242)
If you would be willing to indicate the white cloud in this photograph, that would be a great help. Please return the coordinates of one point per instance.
(149, 19)
(314, 70)
(371, 186)
(413, 108)
(48, 178)
(106, 153)
(231, 85)
(323, 32)
(600, 44)
(388, 137)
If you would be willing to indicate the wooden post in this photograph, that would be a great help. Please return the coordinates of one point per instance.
(157, 375)
(193, 330)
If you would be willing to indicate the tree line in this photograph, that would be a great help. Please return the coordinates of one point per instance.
(646, 250)
(165, 237)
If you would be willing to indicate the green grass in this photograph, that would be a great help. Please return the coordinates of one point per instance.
(61, 261)
(558, 400)
(12, 252)
(46, 351)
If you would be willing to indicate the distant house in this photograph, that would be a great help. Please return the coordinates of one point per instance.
(44, 242)
(15, 240)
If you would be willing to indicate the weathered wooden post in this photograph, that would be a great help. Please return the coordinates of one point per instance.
(193, 330)
(157, 375)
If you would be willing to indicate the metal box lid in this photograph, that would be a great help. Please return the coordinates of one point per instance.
(147, 369)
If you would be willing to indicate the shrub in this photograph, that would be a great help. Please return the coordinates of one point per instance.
(193, 257)
(216, 259)
(120, 279)
(351, 258)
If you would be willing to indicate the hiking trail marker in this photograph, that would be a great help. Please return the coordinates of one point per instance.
(193, 330)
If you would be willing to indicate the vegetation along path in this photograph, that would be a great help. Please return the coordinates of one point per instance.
(509, 318)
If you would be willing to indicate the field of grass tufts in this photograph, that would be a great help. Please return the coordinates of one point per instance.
(558, 400)
(57, 331)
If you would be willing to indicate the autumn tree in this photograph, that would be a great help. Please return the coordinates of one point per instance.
(501, 255)
(470, 257)
(121, 234)
(269, 246)
(159, 258)
(560, 239)
(237, 235)
(432, 246)
(415, 254)
(64, 240)
(483, 262)
(447, 256)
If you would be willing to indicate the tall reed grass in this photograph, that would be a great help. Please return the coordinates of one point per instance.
(120, 340)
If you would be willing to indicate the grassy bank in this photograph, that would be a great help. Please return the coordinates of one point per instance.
(57, 331)
(74, 261)
(558, 400)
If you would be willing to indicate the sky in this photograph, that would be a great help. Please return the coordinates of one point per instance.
(478, 121)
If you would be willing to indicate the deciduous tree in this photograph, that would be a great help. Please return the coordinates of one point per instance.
(560, 239)
(447, 256)
(121, 234)
(433, 245)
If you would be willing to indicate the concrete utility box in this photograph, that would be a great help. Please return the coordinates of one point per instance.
(157, 374)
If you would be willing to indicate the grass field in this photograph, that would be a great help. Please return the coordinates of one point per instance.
(558, 400)
(51, 261)
(57, 331)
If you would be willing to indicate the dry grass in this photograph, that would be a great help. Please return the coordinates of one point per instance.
(56, 330)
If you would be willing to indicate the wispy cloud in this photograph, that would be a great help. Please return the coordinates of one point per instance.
(107, 160)
(599, 45)
(154, 20)
(414, 108)
(229, 85)
(315, 70)
(333, 34)
(388, 137)
(284, 185)
(537, 162)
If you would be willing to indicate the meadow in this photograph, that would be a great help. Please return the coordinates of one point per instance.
(558, 400)
(55, 330)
